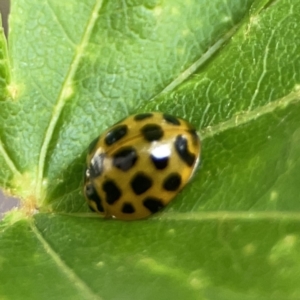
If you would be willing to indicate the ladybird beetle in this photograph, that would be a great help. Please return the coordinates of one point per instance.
(136, 167)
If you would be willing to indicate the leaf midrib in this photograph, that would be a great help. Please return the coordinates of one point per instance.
(250, 115)
(198, 63)
(206, 216)
(78, 283)
(63, 96)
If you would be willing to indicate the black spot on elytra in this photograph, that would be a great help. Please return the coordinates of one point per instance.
(141, 117)
(171, 119)
(115, 134)
(152, 132)
(128, 208)
(91, 194)
(96, 167)
(181, 147)
(92, 145)
(113, 193)
(160, 163)
(172, 182)
(153, 204)
(140, 183)
(125, 158)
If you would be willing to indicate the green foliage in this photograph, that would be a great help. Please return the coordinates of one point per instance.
(4, 67)
(74, 68)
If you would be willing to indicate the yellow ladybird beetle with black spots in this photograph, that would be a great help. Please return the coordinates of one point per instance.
(136, 167)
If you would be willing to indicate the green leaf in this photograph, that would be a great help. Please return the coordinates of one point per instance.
(4, 67)
(229, 67)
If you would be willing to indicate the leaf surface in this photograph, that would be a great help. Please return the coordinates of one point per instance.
(229, 67)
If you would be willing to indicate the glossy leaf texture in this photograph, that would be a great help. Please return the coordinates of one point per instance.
(76, 67)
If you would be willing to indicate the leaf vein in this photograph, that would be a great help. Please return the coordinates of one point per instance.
(78, 283)
(231, 215)
(64, 95)
(198, 63)
(206, 215)
(246, 117)
(8, 160)
(59, 23)
(263, 73)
